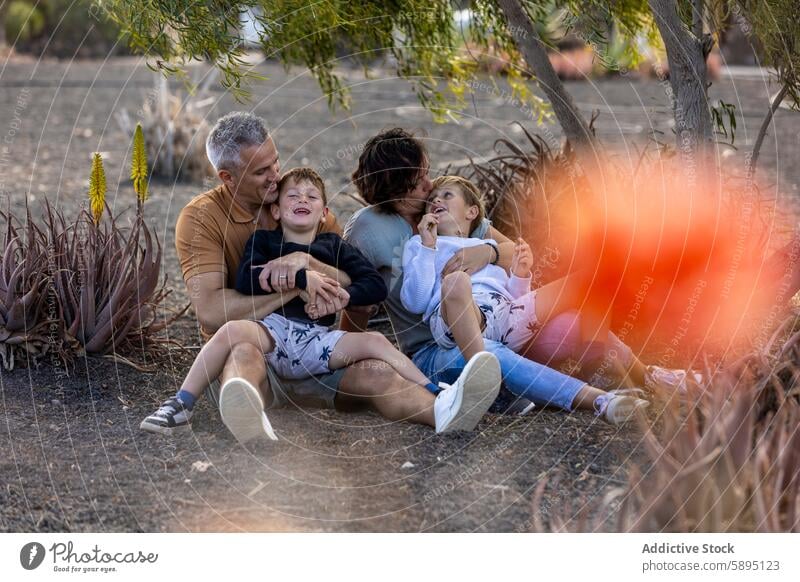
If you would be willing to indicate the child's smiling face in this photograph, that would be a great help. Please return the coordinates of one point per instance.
(449, 205)
(300, 206)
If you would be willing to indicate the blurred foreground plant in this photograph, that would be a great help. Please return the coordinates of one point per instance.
(726, 461)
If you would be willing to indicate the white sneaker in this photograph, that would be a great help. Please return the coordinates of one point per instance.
(618, 406)
(242, 411)
(461, 405)
(669, 380)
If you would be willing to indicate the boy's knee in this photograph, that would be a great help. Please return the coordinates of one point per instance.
(456, 284)
(235, 332)
(377, 339)
(246, 353)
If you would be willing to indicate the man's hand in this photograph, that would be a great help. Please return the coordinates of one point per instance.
(279, 274)
(522, 261)
(470, 260)
(427, 230)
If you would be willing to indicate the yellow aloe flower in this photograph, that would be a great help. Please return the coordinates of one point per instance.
(139, 165)
(97, 188)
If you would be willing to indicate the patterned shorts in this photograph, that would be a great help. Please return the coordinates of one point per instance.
(512, 323)
(302, 349)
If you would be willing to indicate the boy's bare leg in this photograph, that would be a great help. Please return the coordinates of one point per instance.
(215, 359)
(461, 313)
(354, 347)
(376, 383)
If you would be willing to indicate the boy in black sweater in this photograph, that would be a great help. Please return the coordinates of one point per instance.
(295, 343)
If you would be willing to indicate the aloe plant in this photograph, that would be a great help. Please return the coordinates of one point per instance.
(29, 327)
(85, 284)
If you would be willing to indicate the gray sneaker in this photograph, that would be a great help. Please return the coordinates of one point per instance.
(619, 406)
(669, 381)
(170, 418)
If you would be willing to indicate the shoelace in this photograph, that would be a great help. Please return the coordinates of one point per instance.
(168, 409)
(601, 402)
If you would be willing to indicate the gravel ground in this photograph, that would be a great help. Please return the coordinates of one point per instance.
(73, 457)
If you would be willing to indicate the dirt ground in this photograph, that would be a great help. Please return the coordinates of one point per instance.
(73, 458)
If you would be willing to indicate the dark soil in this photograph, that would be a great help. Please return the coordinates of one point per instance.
(73, 458)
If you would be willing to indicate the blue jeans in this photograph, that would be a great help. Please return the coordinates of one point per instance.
(522, 377)
(559, 339)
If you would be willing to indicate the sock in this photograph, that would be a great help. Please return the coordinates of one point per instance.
(433, 388)
(187, 398)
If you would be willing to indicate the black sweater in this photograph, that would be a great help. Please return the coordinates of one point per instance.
(367, 287)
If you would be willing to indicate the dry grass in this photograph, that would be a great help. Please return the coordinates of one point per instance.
(175, 130)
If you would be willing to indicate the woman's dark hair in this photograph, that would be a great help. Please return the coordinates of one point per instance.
(389, 167)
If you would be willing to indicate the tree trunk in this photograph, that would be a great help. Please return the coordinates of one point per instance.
(533, 49)
(687, 78)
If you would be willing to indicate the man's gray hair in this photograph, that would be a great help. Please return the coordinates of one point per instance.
(230, 134)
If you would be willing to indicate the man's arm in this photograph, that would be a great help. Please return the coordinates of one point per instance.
(282, 271)
(215, 305)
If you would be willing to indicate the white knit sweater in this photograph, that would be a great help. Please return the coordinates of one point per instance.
(422, 274)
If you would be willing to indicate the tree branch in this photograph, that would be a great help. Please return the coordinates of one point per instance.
(533, 49)
(764, 126)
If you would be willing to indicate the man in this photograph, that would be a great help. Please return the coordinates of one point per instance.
(211, 233)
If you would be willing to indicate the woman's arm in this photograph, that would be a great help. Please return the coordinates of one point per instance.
(505, 247)
(473, 259)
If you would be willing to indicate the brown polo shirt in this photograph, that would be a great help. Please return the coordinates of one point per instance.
(213, 229)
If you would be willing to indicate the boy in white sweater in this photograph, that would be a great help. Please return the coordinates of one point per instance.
(465, 308)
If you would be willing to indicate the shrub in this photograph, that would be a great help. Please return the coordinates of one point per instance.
(23, 22)
(63, 28)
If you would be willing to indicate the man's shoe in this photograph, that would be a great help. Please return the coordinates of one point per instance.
(508, 404)
(669, 381)
(242, 411)
(171, 417)
(461, 405)
(619, 406)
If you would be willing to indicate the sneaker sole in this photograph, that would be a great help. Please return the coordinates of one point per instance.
(481, 371)
(242, 411)
(164, 430)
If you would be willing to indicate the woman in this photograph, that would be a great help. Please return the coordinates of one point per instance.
(393, 177)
